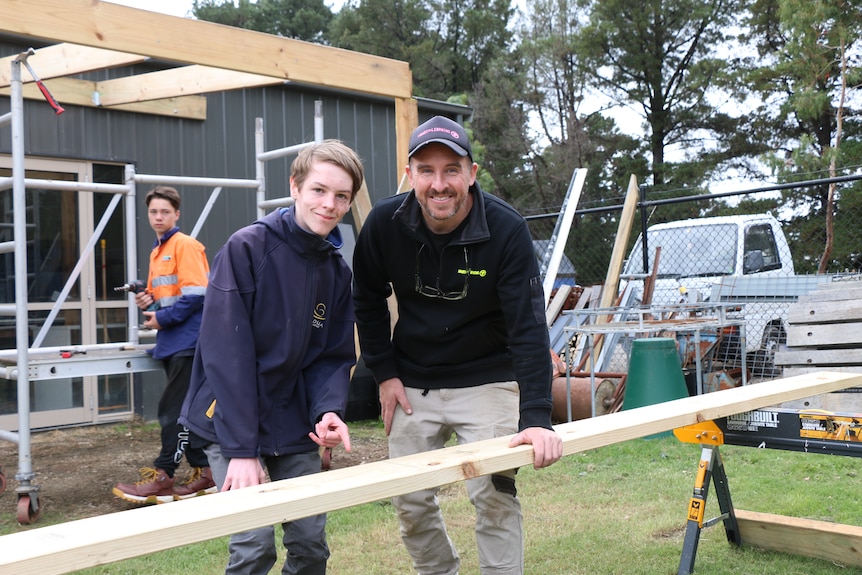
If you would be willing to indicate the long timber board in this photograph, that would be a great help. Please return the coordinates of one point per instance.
(75, 545)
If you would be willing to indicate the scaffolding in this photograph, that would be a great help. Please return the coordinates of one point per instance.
(47, 363)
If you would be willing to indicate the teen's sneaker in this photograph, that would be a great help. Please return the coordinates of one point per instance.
(154, 487)
(200, 482)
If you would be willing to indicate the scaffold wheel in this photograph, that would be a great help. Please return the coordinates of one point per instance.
(28, 513)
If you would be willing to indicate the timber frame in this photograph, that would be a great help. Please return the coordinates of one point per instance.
(80, 36)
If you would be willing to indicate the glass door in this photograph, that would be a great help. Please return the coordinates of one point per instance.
(59, 225)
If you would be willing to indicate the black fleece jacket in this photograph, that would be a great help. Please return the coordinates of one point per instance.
(496, 332)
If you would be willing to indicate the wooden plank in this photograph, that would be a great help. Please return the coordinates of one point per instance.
(848, 401)
(835, 291)
(841, 544)
(844, 334)
(612, 279)
(589, 295)
(187, 80)
(819, 357)
(361, 206)
(66, 60)
(81, 93)
(792, 371)
(557, 302)
(406, 120)
(811, 312)
(188, 41)
(104, 539)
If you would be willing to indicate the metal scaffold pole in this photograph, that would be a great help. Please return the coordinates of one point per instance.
(25, 475)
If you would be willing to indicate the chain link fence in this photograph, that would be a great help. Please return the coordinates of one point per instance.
(746, 256)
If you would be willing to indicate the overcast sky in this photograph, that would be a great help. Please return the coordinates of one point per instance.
(178, 7)
(172, 7)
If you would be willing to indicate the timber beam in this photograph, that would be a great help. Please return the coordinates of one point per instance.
(75, 545)
(109, 26)
(835, 542)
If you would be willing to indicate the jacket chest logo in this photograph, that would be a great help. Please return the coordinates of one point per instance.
(318, 316)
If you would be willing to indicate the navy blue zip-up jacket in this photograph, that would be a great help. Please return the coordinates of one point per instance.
(496, 332)
(276, 342)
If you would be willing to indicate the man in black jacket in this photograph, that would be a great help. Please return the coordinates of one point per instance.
(469, 353)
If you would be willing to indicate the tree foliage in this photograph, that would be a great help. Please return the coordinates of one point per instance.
(298, 19)
(805, 79)
(661, 56)
(448, 43)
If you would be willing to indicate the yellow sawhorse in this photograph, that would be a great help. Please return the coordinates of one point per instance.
(710, 468)
(791, 430)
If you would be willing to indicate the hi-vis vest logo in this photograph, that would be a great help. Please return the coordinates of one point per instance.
(319, 315)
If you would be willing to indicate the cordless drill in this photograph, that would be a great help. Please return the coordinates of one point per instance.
(137, 286)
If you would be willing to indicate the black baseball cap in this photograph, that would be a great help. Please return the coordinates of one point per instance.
(441, 130)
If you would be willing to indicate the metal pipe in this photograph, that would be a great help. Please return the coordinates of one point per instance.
(76, 186)
(281, 152)
(9, 354)
(318, 120)
(259, 166)
(195, 181)
(22, 333)
(61, 185)
(9, 436)
(205, 212)
(130, 210)
(276, 203)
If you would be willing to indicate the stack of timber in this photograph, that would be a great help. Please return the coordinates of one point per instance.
(824, 332)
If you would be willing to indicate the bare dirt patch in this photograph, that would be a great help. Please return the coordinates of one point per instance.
(77, 467)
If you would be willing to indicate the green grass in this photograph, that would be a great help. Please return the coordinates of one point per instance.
(620, 509)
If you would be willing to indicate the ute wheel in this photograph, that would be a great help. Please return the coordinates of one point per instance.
(27, 512)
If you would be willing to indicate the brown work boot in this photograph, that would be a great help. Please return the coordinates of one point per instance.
(199, 482)
(155, 487)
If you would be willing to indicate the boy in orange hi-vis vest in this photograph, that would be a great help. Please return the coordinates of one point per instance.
(173, 305)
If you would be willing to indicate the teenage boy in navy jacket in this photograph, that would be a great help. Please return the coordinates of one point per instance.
(272, 367)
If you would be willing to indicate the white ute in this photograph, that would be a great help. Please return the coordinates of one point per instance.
(702, 259)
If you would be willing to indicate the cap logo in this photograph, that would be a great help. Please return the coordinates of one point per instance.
(451, 133)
